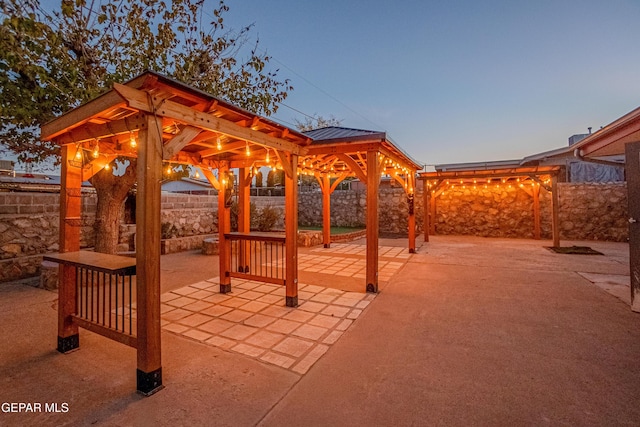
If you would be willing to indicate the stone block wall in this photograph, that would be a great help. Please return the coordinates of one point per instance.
(592, 211)
(349, 208)
(188, 215)
(29, 221)
(587, 211)
(29, 224)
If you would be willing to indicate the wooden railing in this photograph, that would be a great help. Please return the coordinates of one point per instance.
(257, 256)
(104, 289)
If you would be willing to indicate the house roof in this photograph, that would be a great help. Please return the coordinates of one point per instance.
(611, 139)
(491, 165)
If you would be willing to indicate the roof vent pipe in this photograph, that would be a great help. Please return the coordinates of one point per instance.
(589, 129)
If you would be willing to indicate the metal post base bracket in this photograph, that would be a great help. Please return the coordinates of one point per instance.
(149, 383)
(225, 289)
(371, 288)
(68, 344)
(291, 301)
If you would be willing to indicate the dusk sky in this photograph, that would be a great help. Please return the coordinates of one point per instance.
(455, 81)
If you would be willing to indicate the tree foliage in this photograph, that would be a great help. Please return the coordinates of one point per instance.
(317, 122)
(275, 177)
(51, 62)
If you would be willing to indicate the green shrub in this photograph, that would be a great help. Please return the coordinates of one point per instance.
(266, 219)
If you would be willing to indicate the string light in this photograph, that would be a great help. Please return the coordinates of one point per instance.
(247, 150)
(107, 166)
(78, 155)
(96, 150)
(169, 170)
(132, 140)
(218, 144)
(267, 158)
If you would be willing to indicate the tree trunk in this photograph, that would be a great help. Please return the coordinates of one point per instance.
(112, 192)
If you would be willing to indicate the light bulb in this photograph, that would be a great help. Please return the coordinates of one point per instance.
(218, 144)
(78, 153)
(96, 151)
(247, 150)
(169, 170)
(132, 141)
(107, 167)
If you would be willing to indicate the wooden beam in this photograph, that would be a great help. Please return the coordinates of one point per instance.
(167, 108)
(285, 164)
(555, 217)
(224, 227)
(536, 212)
(92, 131)
(69, 241)
(244, 216)
(211, 178)
(178, 142)
(400, 180)
(425, 211)
(149, 171)
(338, 180)
(232, 146)
(353, 165)
(373, 180)
(83, 113)
(96, 165)
(291, 232)
(412, 212)
(432, 208)
(326, 210)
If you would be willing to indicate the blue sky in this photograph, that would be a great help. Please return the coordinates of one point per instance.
(455, 81)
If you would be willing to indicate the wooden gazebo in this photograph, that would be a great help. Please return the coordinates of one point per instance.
(527, 178)
(161, 121)
(337, 153)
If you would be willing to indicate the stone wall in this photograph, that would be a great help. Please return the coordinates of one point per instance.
(587, 211)
(29, 224)
(594, 211)
(29, 221)
(349, 209)
(188, 215)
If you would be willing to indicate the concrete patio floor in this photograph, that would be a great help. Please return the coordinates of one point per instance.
(466, 331)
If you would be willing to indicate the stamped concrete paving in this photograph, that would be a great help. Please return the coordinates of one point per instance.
(470, 331)
(251, 320)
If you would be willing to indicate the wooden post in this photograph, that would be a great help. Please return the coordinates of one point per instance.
(244, 216)
(412, 213)
(432, 223)
(536, 212)
(425, 209)
(373, 180)
(632, 155)
(326, 211)
(224, 226)
(555, 219)
(149, 171)
(291, 230)
(70, 222)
